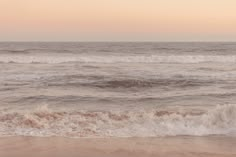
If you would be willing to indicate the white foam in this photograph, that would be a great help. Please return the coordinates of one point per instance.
(220, 120)
(116, 59)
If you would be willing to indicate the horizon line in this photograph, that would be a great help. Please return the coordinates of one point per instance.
(121, 41)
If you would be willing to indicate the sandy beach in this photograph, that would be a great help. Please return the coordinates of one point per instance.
(116, 147)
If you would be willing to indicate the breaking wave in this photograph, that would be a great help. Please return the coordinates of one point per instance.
(220, 120)
(55, 59)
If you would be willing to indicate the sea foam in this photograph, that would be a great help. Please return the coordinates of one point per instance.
(220, 120)
(51, 59)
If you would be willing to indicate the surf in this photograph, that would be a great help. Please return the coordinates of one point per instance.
(43, 121)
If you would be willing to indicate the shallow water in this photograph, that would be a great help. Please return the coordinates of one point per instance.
(117, 89)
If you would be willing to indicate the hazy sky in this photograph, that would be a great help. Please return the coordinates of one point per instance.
(118, 20)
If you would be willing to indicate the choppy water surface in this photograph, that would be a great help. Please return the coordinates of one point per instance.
(117, 89)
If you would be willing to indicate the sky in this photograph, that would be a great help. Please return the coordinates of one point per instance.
(117, 20)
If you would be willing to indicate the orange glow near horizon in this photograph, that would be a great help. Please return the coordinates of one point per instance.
(116, 20)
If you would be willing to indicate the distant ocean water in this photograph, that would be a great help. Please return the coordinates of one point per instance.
(117, 89)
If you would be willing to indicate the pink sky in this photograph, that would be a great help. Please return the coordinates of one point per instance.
(118, 20)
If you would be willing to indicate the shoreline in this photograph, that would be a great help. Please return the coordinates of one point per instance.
(179, 146)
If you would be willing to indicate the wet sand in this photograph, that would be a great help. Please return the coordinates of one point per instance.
(117, 147)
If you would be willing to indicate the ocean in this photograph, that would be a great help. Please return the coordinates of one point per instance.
(117, 89)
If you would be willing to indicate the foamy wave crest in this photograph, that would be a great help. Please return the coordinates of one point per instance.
(53, 59)
(220, 120)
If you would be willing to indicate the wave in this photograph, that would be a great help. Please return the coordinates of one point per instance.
(148, 83)
(220, 120)
(55, 59)
(111, 82)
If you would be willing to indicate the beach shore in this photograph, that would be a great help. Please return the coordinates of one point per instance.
(117, 147)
